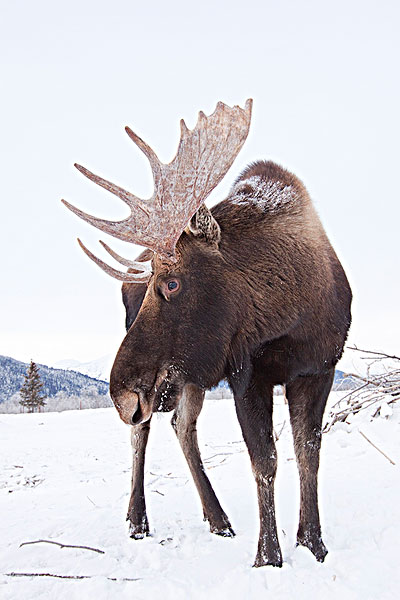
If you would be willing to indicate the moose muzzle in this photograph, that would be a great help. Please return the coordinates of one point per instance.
(133, 408)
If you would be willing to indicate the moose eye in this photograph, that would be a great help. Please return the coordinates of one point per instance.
(173, 285)
(169, 287)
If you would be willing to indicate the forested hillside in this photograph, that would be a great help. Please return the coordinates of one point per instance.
(54, 381)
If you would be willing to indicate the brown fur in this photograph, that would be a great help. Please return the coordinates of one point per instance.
(268, 303)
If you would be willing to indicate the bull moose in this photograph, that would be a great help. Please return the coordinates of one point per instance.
(250, 291)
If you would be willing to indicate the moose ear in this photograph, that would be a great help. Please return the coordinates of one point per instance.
(203, 224)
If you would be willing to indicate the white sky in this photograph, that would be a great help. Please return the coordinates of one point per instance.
(324, 78)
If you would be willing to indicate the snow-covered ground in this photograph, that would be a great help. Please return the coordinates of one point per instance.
(65, 477)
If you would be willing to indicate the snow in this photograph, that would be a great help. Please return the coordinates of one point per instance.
(65, 477)
(267, 195)
(98, 369)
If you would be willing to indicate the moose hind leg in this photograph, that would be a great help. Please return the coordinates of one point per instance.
(254, 412)
(184, 423)
(137, 516)
(307, 398)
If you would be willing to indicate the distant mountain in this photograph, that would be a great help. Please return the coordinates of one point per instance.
(98, 369)
(54, 380)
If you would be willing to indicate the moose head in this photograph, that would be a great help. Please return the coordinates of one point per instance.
(186, 323)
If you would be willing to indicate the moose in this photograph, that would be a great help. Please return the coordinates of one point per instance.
(250, 291)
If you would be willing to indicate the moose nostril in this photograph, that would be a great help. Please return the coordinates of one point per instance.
(137, 415)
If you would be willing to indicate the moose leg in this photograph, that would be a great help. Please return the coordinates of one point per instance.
(184, 423)
(137, 517)
(307, 398)
(254, 412)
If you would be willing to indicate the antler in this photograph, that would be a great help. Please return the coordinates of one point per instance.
(204, 156)
(141, 273)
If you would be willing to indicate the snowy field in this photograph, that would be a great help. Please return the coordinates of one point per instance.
(65, 477)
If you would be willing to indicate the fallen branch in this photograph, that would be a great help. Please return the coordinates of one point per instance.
(383, 354)
(367, 381)
(218, 464)
(69, 576)
(209, 458)
(62, 545)
(380, 388)
(278, 435)
(167, 476)
(376, 448)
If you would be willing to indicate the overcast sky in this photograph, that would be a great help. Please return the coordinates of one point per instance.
(324, 77)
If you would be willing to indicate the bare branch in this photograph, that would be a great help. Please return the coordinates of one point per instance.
(368, 381)
(278, 435)
(376, 448)
(374, 390)
(383, 354)
(62, 545)
(13, 574)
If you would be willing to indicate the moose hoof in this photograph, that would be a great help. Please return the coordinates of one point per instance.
(224, 531)
(221, 526)
(138, 531)
(262, 561)
(268, 556)
(314, 544)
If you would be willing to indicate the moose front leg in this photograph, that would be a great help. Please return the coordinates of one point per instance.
(307, 398)
(254, 412)
(184, 423)
(137, 517)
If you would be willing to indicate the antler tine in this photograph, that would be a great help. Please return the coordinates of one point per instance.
(184, 129)
(131, 200)
(119, 229)
(249, 105)
(148, 152)
(204, 156)
(133, 230)
(126, 277)
(133, 264)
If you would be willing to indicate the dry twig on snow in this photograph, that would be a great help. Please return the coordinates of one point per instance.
(377, 389)
(69, 576)
(376, 448)
(62, 545)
